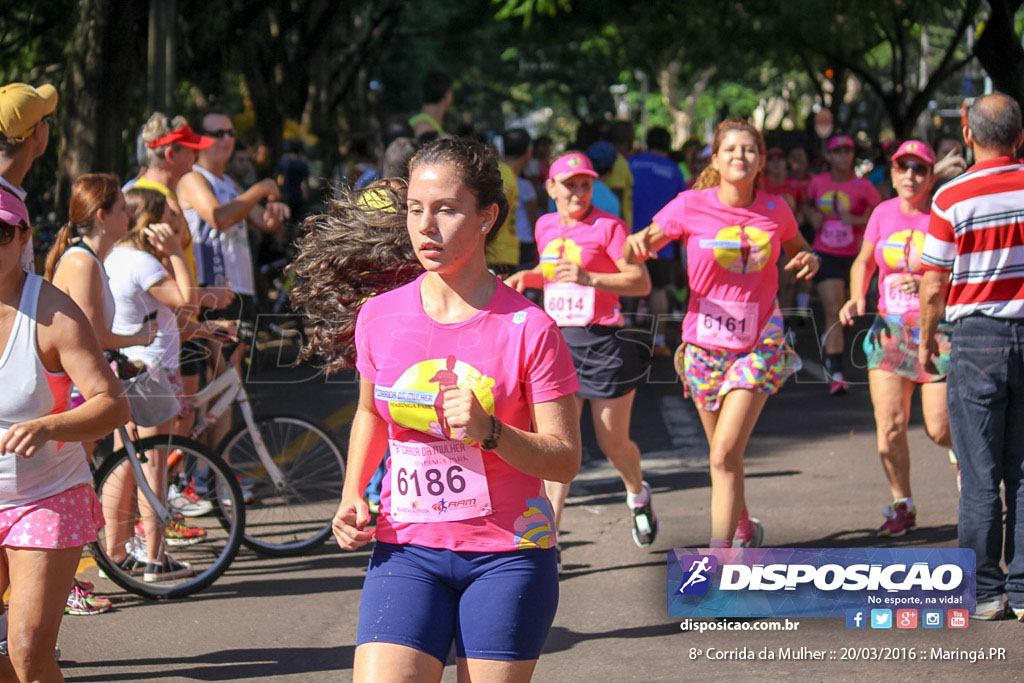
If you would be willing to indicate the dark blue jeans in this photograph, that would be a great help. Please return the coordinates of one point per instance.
(985, 390)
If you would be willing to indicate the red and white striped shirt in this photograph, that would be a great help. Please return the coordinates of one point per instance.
(977, 232)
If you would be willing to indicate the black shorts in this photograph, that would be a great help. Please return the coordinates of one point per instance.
(192, 359)
(834, 268)
(662, 271)
(607, 360)
(242, 311)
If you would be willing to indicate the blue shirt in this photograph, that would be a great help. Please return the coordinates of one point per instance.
(656, 181)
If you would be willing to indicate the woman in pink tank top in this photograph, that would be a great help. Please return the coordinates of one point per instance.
(48, 509)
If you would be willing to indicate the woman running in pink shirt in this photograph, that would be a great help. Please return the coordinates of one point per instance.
(465, 540)
(733, 354)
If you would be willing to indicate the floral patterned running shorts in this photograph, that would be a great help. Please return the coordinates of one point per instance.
(68, 519)
(709, 374)
(892, 346)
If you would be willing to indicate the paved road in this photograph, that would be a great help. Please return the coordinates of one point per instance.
(812, 476)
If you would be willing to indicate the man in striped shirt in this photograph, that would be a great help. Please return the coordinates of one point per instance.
(974, 260)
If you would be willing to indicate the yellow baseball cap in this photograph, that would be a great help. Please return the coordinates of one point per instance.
(22, 107)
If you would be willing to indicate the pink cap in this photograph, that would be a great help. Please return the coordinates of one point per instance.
(571, 164)
(915, 148)
(12, 209)
(837, 141)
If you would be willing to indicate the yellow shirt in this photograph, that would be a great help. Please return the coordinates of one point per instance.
(504, 249)
(190, 257)
(621, 178)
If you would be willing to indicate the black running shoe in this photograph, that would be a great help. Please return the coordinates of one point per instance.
(645, 522)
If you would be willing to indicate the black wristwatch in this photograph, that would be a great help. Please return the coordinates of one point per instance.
(491, 442)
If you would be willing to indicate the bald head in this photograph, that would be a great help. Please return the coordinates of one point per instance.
(995, 122)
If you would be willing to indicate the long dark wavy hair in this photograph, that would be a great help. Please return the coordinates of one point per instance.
(360, 247)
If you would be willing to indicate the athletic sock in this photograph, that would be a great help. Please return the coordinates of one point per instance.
(743, 528)
(908, 501)
(636, 500)
(719, 543)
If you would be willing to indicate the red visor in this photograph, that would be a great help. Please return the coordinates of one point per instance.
(184, 137)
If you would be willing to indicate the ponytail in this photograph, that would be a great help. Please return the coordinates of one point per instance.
(708, 178)
(90, 194)
(60, 244)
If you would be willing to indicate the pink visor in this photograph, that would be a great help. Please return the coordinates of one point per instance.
(915, 148)
(837, 141)
(571, 164)
(12, 209)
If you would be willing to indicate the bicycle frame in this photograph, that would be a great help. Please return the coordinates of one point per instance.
(135, 462)
(223, 392)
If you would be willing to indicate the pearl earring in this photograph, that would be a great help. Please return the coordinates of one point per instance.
(483, 228)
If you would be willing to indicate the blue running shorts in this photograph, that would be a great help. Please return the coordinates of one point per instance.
(493, 605)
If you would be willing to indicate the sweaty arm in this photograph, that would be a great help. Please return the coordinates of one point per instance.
(631, 280)
(553, 452)
(79, 277)
(68, 344)
(367, 442)
(933, 294)
(194, 192)
(643, 244)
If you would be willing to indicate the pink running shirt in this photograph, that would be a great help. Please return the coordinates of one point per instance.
(898, 239)
(512, 355)
(731, 255)
(594, 243)
(857, 195)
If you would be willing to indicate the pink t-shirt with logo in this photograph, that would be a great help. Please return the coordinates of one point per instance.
(898, 239)
(594, 243)
(511, 355)
(731, 256)
(857, 195)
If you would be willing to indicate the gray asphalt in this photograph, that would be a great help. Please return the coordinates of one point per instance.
(813, 477)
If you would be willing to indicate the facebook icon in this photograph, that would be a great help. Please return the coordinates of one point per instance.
(856, 618)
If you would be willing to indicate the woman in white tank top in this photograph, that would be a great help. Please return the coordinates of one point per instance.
(48, 509)
(97, 218)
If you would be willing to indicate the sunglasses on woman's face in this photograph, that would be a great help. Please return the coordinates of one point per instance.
(8, 231)
(912, 166)
(221, 133)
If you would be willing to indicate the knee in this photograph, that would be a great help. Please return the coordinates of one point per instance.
(30, 655)
(939, 432)
(615, 446)
(891, 429)
(726, 463)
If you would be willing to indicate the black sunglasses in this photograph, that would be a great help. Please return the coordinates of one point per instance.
(7, 232)
(221, 133)
(920, 169)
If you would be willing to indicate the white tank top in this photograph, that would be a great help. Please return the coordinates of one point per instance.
(108, 298)
(223, 257)
(30, 392)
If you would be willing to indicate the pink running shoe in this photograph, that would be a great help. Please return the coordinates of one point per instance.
(749, 533)
(898, 520)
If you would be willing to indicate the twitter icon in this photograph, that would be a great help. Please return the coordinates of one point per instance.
(881, 618)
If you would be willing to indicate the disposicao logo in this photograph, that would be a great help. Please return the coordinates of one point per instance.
(775, 582)
(697, 579)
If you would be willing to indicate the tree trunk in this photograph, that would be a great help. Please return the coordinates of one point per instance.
(96, 96)
(999, 50)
